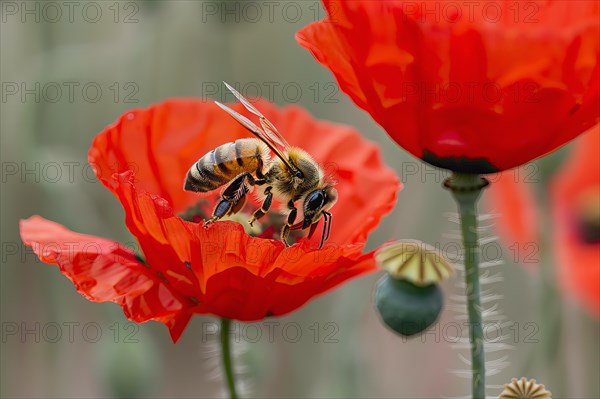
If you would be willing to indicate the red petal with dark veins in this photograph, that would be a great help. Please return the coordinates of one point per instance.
(105, 271)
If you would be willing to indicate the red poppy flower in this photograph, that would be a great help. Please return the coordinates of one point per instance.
(143, 159)
(575, 201)
(575, 194)
(479, 87)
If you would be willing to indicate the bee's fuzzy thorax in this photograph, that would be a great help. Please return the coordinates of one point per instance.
(306, 163)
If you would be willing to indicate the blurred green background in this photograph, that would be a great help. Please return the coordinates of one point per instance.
(68, 70)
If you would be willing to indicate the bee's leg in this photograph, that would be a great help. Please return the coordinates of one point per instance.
(238, 187)
(223, 208)
(285, 230)
(237, 206)
(264, 208)
(232, 198)
(259, 171)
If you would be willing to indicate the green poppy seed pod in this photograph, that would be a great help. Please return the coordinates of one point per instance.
(405, 307)
(524, 389)
(415, 261)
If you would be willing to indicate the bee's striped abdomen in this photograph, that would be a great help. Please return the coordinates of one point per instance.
(224, 163)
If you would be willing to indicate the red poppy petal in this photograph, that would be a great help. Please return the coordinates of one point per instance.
(159, 144)
(246, 278)
(318, 36)
(103, 270)
(225, 245)
(360, 44)
(305, 261)
(165, 239)
(176, 324)
(293, 296)
(459, 90)
(238, 294)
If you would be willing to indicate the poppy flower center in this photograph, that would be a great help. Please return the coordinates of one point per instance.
(197, 212)
(588, 216)
(268, 227)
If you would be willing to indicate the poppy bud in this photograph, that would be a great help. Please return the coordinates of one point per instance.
(408, 298)
(407, 308)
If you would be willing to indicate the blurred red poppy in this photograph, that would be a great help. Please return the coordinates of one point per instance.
(575, 201)
(474, 87)
(143, 159)
(575, 195)
(512, 198)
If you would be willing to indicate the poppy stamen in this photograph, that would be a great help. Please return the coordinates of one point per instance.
(196, 212)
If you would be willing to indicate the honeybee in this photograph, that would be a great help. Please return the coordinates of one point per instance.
(291, 177)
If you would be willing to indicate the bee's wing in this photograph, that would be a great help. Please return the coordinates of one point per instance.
(269, 129)
(248, 124)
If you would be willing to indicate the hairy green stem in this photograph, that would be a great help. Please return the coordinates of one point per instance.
(227, 358)
(466, 189)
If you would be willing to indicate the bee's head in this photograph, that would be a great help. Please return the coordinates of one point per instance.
(318, 202)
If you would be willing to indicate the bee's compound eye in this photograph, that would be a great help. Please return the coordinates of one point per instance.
(315, 199)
